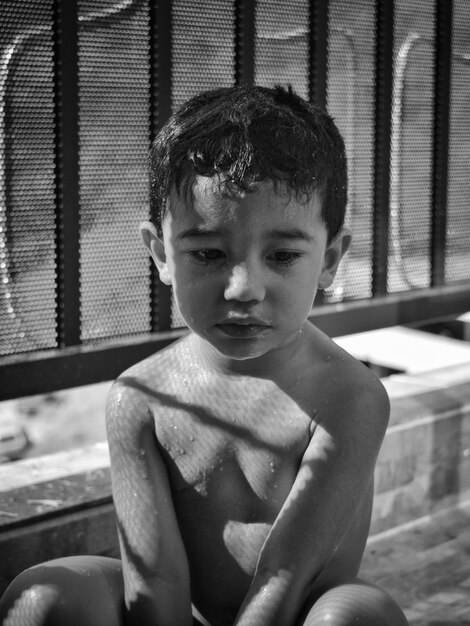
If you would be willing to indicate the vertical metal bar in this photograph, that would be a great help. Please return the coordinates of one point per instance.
(318, 68)
(245, 32)
(160, 111)
(67, 170)
(442, 71)
(318, 52)
(382, 131)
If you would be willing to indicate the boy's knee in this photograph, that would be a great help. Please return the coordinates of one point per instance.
(66, 591)
(355, 604)
(31, 600)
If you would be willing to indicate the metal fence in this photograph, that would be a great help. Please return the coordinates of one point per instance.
(84, 87)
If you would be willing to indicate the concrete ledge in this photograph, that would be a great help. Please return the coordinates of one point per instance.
(90, 530)
(424, 463)
(62, 516)
(406, 349)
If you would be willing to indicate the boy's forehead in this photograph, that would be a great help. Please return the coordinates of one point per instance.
(212, 198)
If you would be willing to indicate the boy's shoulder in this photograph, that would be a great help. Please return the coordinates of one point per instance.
(344, 381)
(155, 377)
(161, 364)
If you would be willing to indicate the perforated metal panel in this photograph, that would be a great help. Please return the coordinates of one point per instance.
(412, 147)
(458, 211)
(350, 100)
(203, 47)
(282, 44)
(130, 75)
(27, 187)
(114, 131)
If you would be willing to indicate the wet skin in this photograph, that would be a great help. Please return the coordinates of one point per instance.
(232, 449)
(243, 455)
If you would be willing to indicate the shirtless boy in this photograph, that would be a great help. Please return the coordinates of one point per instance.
(243, 455)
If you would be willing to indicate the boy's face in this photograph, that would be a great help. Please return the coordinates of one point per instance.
(244, 266)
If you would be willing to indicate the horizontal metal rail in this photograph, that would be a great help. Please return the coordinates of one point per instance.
(52, 370)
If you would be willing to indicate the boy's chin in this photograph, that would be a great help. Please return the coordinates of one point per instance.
(239, 353)
(242, 350)
(230, 350)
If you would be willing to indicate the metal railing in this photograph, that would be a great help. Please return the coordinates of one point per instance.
(72, 363)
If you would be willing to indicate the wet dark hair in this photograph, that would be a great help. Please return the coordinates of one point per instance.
(249, 134)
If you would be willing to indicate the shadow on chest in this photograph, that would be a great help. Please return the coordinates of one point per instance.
(235, 456)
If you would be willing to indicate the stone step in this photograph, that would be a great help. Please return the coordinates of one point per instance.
(424, 463)
(425, 566)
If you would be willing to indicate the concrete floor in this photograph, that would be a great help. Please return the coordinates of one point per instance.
(426, 568)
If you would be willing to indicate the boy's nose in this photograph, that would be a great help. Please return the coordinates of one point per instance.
(244, 284)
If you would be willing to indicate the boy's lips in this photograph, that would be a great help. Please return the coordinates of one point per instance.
(243, 326)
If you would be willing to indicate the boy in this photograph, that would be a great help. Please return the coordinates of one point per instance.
(242, 456)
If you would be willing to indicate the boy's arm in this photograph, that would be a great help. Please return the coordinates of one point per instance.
(155, 568)
(333, 477)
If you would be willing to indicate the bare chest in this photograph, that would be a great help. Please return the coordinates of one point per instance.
(251, 447)
(231, 464)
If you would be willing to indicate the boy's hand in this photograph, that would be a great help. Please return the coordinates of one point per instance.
(155, 567)
(335, 474)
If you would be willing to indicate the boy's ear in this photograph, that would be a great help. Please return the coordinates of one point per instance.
(155, 246)
(333, 255)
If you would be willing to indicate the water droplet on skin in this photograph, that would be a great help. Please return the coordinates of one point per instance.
(175, 427)
(142, 452)
(181, 451)
(191, 438)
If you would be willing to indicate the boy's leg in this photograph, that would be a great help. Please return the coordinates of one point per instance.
(70, 591)
(354, 603)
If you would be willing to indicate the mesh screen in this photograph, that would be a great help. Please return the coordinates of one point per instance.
(458, 221)
(114, 130)
(27, 221)
(281, 44)
(412, 147)
(114, 143)
(350, 100)
(203, 47)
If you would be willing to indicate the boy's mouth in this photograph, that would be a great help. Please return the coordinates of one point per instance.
(240, 327)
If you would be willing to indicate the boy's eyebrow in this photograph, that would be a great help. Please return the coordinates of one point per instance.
(291, 233)
(198, 231)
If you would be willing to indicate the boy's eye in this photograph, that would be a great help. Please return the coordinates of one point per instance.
(284, 257)
(207, 255)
